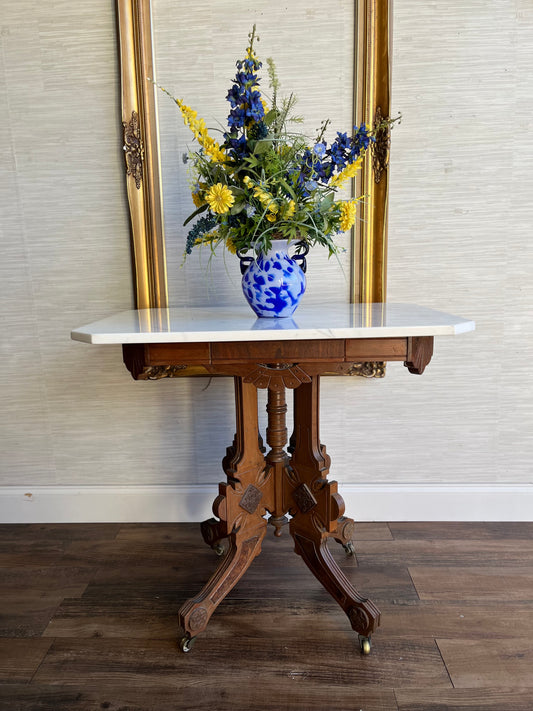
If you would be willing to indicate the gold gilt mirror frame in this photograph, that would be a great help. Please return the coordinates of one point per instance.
(371, 92)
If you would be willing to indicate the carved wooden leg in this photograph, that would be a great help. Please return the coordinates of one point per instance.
(244, 546)
(319, 509)
(239, 508)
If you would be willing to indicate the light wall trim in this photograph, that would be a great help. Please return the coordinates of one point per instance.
(187, 503)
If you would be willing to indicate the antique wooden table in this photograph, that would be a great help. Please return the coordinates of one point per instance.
(277, 354)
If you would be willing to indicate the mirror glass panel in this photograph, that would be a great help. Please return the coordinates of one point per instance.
(195, 49)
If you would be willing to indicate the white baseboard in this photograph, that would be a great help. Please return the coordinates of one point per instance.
(187, 503)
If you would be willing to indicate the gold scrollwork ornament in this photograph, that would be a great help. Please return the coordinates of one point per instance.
(380, 148)
(133, 148)
(370, 369)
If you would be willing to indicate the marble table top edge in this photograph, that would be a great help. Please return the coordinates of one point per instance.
(235, 323)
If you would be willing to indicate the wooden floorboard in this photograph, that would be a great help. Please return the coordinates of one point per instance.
(88, 621)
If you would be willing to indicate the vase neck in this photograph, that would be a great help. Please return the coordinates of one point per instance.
(277, 245)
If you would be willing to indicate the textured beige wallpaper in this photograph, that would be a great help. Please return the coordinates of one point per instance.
(197, 65)
(460, 240)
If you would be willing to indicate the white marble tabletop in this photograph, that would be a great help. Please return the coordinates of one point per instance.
(238, 323)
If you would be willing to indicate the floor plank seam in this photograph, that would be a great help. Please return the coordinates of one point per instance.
(42, 661)
(413, 583)
(445, 665)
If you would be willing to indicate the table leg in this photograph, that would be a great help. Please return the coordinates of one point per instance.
(194, 615)
(318, 512)
(239, 508)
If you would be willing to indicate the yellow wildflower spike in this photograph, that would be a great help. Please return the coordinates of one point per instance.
(199, 130)
(349, 172)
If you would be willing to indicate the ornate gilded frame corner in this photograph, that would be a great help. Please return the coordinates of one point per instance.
(141, 152)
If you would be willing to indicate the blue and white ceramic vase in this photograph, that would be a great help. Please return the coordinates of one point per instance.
(274, 283)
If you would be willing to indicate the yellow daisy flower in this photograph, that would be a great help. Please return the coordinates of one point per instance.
(219, 198)
(348, 210)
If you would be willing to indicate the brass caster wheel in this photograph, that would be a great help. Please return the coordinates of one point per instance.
(187, 643)
(364, 645)
(349, 548)
(219, 549)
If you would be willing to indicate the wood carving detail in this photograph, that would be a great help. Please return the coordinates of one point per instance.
(133, 148)
(251, 498)
(156, 372)
(277, 377)
(303, 498)
(380, 148)
(198, 619)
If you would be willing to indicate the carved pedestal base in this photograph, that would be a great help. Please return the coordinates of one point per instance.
(281, 483)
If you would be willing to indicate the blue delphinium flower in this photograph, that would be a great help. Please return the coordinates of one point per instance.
(243, 96)
(236, 146)
(346, 149)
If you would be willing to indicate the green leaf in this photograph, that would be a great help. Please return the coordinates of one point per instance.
(270, 117)
(287, 189)
(201, 209)
(251, 161)
(326, 203)
(262, 147)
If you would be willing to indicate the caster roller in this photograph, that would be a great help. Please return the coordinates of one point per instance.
(364, 645)
(349, 548)
(187, 643)
(219, 549)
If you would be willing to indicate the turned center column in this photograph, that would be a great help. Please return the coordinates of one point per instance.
(277, 458)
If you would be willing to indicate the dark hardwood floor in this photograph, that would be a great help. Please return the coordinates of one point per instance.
(88, 622)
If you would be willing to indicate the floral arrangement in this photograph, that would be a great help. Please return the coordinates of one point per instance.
(265, 181)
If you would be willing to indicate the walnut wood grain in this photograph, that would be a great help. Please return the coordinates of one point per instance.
(361, 349)
(419, 352)
(278, 351)
(322, 355)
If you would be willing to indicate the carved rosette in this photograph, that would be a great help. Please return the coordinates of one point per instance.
(346, 528)
(198, 619)
(133, 148)
(360, 621)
